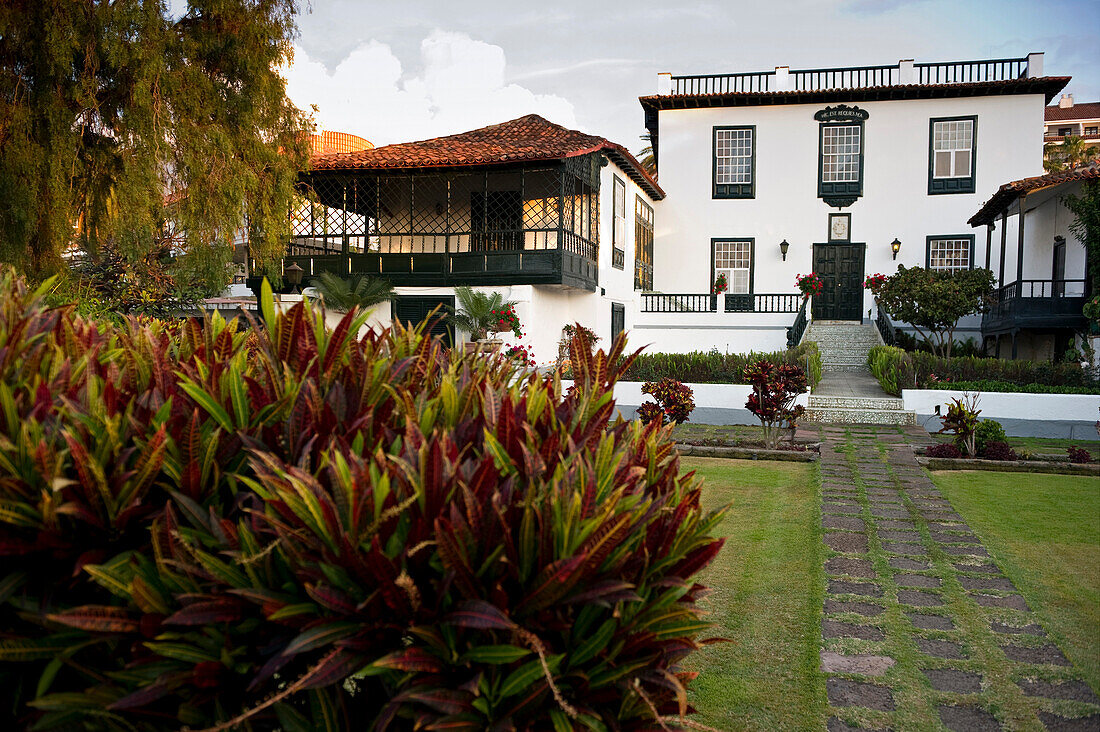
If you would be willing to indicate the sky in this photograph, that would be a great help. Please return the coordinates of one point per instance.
(410, 70)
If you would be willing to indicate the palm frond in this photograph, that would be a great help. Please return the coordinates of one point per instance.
(361, 291)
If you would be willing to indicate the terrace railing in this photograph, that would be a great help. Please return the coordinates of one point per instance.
(798, 328)
(753, 302)
(845, 78)
(659, 302)
(962, 72)
(763, 303)
(853, 77)
(885, 326)
(1036, 303)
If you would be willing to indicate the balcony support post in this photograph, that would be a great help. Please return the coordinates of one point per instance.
(1020, 247)
(988, 244)
(1004, 243)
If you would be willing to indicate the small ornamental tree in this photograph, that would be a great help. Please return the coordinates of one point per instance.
(774, 390)
(932, 301)
(675, 402)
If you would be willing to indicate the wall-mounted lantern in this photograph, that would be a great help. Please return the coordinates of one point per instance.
(895, 247)
(783, 247)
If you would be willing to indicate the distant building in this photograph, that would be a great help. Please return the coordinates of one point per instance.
(1066, 119)
(327, 142)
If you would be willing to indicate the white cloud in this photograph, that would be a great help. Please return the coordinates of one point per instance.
(459, 86)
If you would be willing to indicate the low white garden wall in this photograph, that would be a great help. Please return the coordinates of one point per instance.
(714, 403)
(1022, 415)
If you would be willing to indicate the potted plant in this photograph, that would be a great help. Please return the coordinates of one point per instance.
(808, 284)
(476, 313)
(506, 320)
(874, 283)
(721, 284)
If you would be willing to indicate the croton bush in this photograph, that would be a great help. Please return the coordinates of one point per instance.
(282, 527)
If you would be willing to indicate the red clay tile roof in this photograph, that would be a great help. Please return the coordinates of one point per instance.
(529, 138)
(1087, 110)
(1009, 192)
(1048, 85)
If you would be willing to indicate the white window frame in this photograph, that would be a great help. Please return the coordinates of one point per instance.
(842, 164)
(944, 251)
(733, 148)
(618, 214)
(954, 137)
(729, 252)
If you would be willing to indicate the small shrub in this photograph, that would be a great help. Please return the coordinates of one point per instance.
(962, 421)
(988, 430)
(674, 400)
(999, 451)
(943, 450)
(774, 390)
(1079, 454)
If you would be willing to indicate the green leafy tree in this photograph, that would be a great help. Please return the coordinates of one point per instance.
(932, 301)
(1086, 226)
(361, 291)
(109, 112)
(474, 313)
(1071, 152)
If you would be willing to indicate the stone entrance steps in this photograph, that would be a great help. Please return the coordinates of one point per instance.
(858, 410)
(844, 345)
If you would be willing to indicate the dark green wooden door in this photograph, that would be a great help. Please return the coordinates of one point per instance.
(840, 267)
(413, 309)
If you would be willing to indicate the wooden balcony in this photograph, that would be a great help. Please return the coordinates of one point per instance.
(1036, 304)
(451, 269)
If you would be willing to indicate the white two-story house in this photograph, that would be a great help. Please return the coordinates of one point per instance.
(844, 172)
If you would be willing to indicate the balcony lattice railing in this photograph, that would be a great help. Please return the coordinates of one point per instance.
(853, 77)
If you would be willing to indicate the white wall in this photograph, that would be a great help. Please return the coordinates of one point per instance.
(895, 201)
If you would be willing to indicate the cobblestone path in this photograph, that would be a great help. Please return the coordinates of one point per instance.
(921, 630)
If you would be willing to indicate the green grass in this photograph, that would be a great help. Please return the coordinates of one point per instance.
(767, 587)
(1044, 531)
(726, 433)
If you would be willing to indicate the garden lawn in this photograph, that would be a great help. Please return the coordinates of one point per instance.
(767, 585)
(1044, 531)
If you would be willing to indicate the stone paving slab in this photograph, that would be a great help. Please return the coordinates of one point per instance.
(923, 580)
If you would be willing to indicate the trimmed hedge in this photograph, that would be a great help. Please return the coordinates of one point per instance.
(1011, 388)
(287, 527)
(896, 369)
(712, 367)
